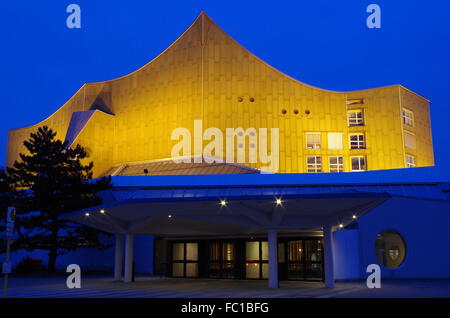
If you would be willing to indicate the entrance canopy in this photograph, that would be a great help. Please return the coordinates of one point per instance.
(246, 204)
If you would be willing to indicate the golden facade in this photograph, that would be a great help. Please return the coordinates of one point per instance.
(207, 75)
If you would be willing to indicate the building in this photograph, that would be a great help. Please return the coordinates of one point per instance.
(189, 137)
(208, 78)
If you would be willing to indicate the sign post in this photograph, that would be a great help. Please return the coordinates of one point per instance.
(6, 268)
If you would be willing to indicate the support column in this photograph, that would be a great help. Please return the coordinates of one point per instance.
(328, 251)
(118, 261)
(273, 258)
(128, 276)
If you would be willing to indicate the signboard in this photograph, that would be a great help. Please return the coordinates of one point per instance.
(10, 218)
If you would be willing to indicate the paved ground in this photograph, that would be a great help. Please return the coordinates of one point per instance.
(102, 286)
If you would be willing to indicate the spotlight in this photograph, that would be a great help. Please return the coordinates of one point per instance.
(278, 201)
(353, 216)
(102, 211)
(223, 202)
(341, 225)
(87, 214)
(169, 216)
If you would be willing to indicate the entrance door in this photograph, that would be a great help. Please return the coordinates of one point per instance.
(304, 259)
(295, 253)
(313, 259)
(221, 260)
(185, 260)
(256, 260)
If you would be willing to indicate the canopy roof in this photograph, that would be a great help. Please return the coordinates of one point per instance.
(246, 204)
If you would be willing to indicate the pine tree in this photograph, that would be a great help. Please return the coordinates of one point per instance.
(50, 181)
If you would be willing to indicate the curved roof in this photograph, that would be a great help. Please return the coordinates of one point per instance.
(207, 75)
(201, 20)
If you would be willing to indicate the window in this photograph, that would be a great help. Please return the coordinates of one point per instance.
(359, 163)
(390, 249)
(313, 140)
(410, 161)
(357, 141)
(335, 141)
(408, 117)
(410, 140)
(355, 101)
(314, 163)
(355, 117)
(336, 164)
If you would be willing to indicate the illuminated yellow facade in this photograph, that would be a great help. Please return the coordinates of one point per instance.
(207, 75)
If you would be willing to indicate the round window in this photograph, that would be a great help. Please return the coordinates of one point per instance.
(390, 249)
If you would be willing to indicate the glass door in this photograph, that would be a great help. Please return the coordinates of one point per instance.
(185, 260)
(256, 260)
(313, 260)
(305, 259)
(221, 257)
(295, 253)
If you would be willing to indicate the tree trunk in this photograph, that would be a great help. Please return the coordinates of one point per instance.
(53, 252)
(52, 260)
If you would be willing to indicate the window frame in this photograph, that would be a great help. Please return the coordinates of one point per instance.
(339, 166)
(406, 119)
(358, 142)
(359, 163)
(413, 135)
(382, 243)
(409, 164)
(341, 139)
(311, 134)
(362, 119)
(315, 166)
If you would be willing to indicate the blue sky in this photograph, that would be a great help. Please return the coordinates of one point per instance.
(323, 43)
